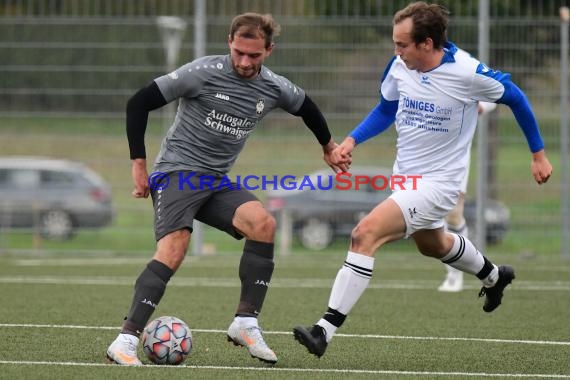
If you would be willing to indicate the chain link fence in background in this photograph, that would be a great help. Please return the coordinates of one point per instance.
(68, 67)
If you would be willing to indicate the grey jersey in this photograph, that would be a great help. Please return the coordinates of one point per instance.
(217, 112)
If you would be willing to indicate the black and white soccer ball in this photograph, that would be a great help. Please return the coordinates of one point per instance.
(167, 340)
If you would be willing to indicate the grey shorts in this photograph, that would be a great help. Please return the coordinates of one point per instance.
(186, 196)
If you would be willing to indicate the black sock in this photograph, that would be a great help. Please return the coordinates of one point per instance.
(255, 270)
(334, 317)
(149, 289)
(487, 268)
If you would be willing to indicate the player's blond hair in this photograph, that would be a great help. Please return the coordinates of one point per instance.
(255, 25)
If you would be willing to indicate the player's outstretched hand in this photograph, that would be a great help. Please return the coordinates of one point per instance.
(540, 167)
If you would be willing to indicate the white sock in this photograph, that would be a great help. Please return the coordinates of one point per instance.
(462, 230)
(246, 321)
(350, 282)
(330, 329)
(465, 257)
(131, 338)
(492, 278)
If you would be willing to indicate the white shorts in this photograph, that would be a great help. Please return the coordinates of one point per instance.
(464, 182)
(466, 178)
(426, 207)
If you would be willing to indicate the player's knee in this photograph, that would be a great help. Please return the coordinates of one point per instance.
(362, 237)
(357, 234)
(172, 248)
(264, 227)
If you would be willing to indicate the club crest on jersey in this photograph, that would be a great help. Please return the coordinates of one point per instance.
(259, 106)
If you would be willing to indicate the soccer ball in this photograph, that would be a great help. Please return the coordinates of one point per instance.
(167, 340)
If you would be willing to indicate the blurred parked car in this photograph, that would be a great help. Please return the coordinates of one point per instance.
(52, 197)
(319, 216)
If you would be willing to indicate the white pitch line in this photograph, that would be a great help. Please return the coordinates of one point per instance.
(292, 283)
(198, 261)
(362, 336)
(303, 370)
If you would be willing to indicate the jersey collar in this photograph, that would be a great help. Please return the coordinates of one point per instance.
(449, 50)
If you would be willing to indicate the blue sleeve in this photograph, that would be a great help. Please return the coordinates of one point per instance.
(517, 101)
(378, 120)
(519, 105)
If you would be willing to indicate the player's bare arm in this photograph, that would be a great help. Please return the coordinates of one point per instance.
(540, 167)
(140, 178)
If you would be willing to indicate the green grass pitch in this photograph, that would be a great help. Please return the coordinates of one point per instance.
(60, 312)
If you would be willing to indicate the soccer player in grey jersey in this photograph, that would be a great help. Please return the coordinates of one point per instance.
(221, 100)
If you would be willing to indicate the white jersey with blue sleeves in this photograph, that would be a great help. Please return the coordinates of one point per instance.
(437, 113)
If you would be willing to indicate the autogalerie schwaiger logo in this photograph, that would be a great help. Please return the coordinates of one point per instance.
(229, 125)
(340, 181)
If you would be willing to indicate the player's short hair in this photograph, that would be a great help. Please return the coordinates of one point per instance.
(255, 25)
(429, 21)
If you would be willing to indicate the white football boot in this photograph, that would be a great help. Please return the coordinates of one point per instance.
(250, 336)
(123, 350)
(453, 281)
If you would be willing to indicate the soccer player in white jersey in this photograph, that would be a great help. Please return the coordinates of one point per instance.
(431, 90)
(456, 223)
(221, 99)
